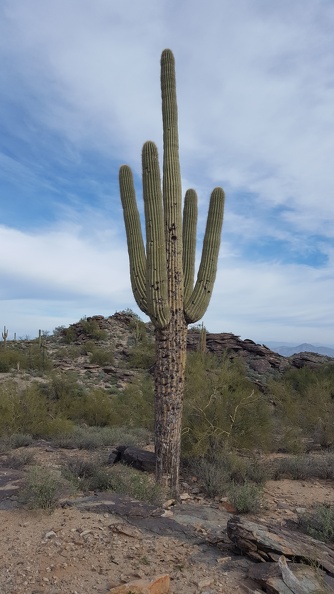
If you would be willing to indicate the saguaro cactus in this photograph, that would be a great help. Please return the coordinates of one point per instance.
(162, 275)
(4, 336)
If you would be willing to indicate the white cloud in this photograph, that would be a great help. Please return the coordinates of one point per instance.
(256, 95)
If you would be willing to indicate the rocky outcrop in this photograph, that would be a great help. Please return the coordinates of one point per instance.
(260, 361)
(123, 330)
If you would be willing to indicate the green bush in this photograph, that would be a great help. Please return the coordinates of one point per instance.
(319, 523)
(18, 460)
(142, 355)
(134, 406)
(304, 407)
(102, 356)
(304, 467)
(91, 329)
(91, 438)
(20, 440)
(31, 357)
(224, 468)
(128, 481)
(221, 408)
(95, 408)
(245, 498)
(42, 488)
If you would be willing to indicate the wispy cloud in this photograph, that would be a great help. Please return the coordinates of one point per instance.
(79, 93)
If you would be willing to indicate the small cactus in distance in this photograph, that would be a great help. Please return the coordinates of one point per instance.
(4, 336)
(162, 272)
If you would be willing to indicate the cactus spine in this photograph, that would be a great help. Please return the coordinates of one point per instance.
(162, 275)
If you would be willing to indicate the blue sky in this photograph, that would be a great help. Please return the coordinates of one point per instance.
(79, 95)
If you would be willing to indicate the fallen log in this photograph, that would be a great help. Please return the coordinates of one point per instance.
(135, 457)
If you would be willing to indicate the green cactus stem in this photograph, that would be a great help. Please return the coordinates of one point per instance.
(163, 271)
(4, 336)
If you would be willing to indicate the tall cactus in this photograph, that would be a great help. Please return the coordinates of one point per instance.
(162, 274)
(4, 336)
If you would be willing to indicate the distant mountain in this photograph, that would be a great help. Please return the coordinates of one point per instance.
(287, 351)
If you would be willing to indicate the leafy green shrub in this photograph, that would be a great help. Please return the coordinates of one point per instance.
(128, 481)
(26, 411)
(42, 488)
(69, 335)
(224, 468)
(245, 498)
(102, 356)
(304, 406)
(19, 459)
(303, 467)
(63, 388)
(20, 440)
(319, 523)
(221, 408)
(213, 477)
(31, 357)
(4, 366)
(91, 329)
(95, 408)
(134, 406)
(142, 355)
(86, 438)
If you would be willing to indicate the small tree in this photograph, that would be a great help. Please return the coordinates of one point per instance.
(162, 276)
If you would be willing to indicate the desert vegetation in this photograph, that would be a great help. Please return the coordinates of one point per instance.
(231, 426)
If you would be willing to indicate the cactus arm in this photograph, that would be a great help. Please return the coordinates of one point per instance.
(156, 269)
(134, 236)
(200, 297)
(190, 213)
(172, 188)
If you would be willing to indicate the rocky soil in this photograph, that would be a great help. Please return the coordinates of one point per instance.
(96, 542)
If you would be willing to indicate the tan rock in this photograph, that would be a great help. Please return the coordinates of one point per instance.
(158, 585)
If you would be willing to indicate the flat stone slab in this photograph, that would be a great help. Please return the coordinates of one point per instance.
(10, 483)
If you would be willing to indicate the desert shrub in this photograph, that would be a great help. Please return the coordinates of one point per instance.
(304, 406)
(86, 438)
(42, 488)
(134, 406)
(94, 408)
(20, 440)
(303, 467)
(91, 329)
(63, 388)
(4, 366)
(142, 355)
(319, 522)
(102, 356)
(220, 470)
(22, 410)
(213, 477)
(221, 408)
(18, 460)
(33, 358)
(246, 498)
(26, 411)
(69, 335)
(142, 486)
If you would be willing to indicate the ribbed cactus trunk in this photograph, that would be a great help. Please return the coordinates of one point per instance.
(162, 275)
(170, 364)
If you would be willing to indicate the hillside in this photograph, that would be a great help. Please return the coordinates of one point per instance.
(107, 352)
(287, 351)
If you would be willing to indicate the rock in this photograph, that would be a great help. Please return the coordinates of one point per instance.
(278, 578)
(267, 543)
(140, 459)
(157, 585)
